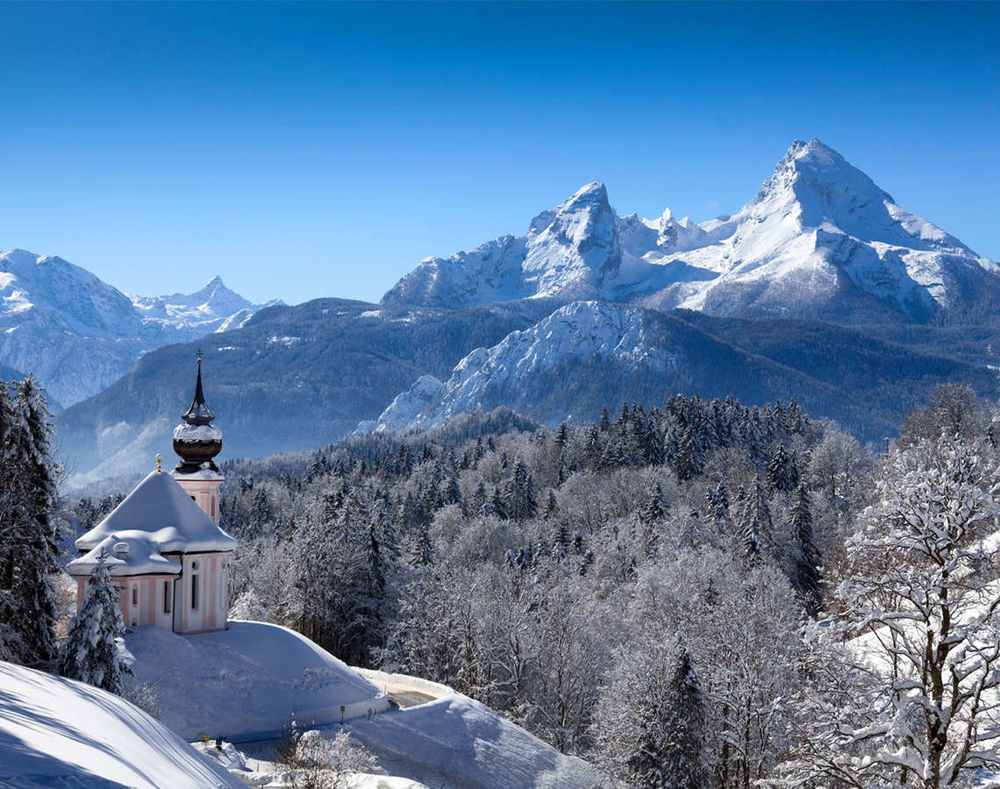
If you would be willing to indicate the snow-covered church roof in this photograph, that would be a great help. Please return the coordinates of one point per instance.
(159, 512)
(125, 555)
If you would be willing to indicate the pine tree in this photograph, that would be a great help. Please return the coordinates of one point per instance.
(29, 535)
(518, 494)
(755, 522)
(651, 718)
(94, 651)
(805, 575)
(782, 471)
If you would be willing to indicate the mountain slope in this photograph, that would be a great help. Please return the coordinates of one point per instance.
(77, 334)
(291, 378)
(588, 355)
(56, 732)
(819, 239)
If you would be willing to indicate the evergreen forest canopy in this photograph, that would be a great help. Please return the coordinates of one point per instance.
(703, 594)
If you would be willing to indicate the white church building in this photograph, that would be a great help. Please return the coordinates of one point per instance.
(163, 544)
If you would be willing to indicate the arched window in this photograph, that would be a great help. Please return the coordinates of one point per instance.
(194, 586)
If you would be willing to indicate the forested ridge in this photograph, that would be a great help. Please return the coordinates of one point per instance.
(666, 587)
(701, 594)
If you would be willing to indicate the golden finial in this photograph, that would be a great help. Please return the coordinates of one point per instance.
(199, 357)
(159, 460)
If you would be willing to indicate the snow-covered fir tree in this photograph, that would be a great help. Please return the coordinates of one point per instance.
(28, 532)
(94, 651)
(649, 725)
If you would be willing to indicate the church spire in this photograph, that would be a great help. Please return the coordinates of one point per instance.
(196, 440)
(198, 412)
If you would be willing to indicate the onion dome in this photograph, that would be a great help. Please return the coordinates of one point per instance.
(196, 439)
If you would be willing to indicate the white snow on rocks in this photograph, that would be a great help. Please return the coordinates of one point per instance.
(579, 331)
(819, 235)
(78, 334)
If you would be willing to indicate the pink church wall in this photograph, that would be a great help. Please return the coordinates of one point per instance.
(213, 601)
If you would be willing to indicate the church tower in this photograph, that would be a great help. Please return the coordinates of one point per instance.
(197, 441)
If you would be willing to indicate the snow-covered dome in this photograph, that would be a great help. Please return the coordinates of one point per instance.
(159, 512)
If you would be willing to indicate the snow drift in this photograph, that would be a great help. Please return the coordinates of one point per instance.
(55, 732)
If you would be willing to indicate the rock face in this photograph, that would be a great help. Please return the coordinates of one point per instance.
(819, 239)
(77, 334)
(592, 355)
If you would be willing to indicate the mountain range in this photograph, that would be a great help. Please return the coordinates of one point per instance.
(821, 288)
(78, 334)
(819, 240)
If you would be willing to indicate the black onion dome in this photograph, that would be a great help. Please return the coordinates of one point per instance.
(196, 439)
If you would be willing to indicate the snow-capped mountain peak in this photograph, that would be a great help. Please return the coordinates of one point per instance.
(819, 239)
(77, 333)
(572, 248)
(210, 302)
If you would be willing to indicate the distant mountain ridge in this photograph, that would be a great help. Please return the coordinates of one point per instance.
(821, 289)
(819, 239)
(586, 356)
(77, 334)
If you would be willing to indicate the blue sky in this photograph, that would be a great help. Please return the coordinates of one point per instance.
(324, 149)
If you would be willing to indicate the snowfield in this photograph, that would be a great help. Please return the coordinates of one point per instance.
(458, 742)
(247, 681)
(58, 733)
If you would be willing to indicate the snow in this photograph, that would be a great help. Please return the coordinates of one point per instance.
(197, 433)
(142, 558)
(245, 682)
(210, 303)
(56, 732)
(160, 512)
(79, 334)
(407, 405)
(581, 330)
(818, 235)
(458, 742)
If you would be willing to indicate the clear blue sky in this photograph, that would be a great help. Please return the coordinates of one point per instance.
(324, 149)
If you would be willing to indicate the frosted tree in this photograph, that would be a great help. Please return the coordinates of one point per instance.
(804, 572)
(782, 471)
(28, 535)
(755, 522)
(649, 725)
(94, 651)
(921, 609)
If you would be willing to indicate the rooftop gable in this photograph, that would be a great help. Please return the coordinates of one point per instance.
(159, 510)
(141, 558)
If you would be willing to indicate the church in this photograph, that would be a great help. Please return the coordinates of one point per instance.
(163, 544)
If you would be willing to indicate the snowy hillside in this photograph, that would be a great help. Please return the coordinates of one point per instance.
(246, 681)
(590, 355)
(819, 239)
(56, 732)
(78, 334)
